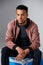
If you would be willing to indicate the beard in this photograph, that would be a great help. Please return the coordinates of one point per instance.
(21, 21)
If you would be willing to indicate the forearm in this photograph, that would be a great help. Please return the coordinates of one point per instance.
(27, 51)
(10, 44)
(35, 45)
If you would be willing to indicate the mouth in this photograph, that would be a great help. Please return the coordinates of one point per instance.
(22, 22)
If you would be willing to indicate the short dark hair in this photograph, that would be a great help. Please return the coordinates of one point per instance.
(22, 7)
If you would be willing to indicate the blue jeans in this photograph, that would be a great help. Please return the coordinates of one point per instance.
(6, 53)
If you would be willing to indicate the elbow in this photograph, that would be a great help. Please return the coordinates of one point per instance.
(39, 45)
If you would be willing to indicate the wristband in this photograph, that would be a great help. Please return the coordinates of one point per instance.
(14, 47)
(30, 49)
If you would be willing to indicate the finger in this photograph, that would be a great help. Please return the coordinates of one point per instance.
(18, 58)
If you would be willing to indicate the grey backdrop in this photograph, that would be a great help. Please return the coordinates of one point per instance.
(7, 13)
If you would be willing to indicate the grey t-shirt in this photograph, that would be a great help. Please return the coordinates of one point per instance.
(22, 40)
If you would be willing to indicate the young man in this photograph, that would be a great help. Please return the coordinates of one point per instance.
(22, 38)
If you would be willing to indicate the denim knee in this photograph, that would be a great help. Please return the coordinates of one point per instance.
(37, 53)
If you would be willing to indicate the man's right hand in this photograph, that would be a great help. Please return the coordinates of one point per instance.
(20, 50)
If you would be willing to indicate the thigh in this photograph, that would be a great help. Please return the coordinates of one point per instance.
(37, 53)
(29, 55)
(8, 52)
(34, 54)
(36, 57)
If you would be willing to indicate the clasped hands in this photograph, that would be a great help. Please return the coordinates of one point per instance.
(21, 53)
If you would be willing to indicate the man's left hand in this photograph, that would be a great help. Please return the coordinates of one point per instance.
(21, 56)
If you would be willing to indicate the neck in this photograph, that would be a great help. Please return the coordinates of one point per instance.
(24, 23)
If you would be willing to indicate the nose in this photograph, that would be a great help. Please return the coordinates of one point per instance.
(20, 16)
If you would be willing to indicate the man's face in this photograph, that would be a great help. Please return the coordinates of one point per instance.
(21, 15)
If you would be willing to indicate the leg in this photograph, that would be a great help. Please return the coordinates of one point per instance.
(29, 55)
(5, 53)
(36, 57)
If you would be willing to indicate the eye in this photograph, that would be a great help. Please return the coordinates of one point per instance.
(18, 14)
